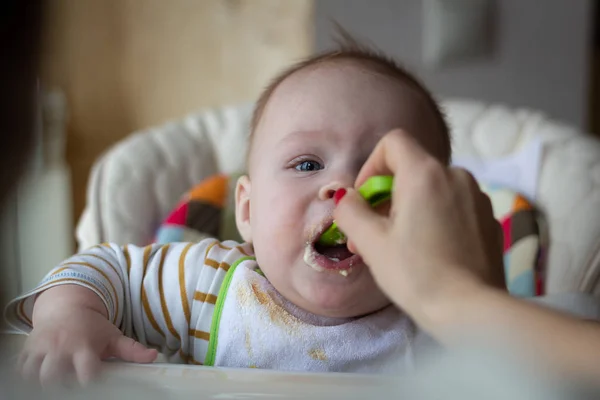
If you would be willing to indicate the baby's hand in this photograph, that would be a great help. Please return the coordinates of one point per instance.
(72, 340)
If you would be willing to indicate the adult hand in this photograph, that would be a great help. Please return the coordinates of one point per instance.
(440, 238)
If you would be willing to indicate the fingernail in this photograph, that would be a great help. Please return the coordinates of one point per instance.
(337, 196)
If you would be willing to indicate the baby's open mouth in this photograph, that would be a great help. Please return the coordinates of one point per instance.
(335, 253)
(330, 257)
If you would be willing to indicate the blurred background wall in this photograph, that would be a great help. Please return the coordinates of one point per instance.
(594, 105)
(541, 56)
(129, 64)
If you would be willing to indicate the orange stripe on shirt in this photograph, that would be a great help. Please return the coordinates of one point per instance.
(127, 259)
(84, 264)
(161, 292)
(222, 246)
(205, 297)
(241, 250)
(184, 300)
(145, 303)
(199, 334)
(71, 279)
(216, 265)
(116, 271)
(209, 248)
(224, 266)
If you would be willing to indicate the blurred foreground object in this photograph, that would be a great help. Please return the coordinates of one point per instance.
(19, 40)
(476, 372)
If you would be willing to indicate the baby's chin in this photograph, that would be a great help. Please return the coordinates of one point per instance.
(331, 309)
(332, 293)
(331, 299)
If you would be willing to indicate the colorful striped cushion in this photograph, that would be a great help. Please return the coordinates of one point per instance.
(208, 210)
(522, 243)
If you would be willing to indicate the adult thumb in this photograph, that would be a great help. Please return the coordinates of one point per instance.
(360, 223)
(130, 350)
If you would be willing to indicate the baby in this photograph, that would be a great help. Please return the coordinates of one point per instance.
(280, 300)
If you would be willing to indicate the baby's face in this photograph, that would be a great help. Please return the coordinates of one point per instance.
(317, 130)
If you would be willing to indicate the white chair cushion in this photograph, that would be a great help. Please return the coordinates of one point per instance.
(134, 185)
(568, 191)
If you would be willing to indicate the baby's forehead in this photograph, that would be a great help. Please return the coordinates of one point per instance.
(347, 72)
(348, 96)
(343, 89)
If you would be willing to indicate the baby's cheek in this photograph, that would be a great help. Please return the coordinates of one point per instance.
(281, 214)
(276, 225)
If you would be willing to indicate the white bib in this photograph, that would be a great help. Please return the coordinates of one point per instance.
(251, 329)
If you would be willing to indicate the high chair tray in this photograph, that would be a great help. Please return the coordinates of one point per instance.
(181, 381)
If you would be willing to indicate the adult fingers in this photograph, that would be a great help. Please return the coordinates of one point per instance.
(499, 235)
(360, 223)
(397, 153)
(498, 254)
(466, 178)
(493, 235)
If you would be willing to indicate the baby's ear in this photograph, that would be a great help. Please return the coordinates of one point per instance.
(242, 207)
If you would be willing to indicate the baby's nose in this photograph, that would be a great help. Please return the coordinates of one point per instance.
(328, 191)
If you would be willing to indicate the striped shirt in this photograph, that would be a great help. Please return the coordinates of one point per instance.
(161, 295)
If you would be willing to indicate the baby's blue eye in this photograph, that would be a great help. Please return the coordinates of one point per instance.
(308, 166)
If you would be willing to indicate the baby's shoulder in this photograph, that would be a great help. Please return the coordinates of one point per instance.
(227, 251)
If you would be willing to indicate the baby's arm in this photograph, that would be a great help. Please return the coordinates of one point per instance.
(146, 292)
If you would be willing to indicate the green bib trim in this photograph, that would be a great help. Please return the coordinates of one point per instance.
(216, 318)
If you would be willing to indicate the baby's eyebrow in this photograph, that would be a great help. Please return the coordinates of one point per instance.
(300, 136)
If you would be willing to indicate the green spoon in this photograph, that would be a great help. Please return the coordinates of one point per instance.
(376, 190)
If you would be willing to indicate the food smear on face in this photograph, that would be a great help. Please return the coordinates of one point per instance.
(345, 272)
(334, 258)
(310, 260)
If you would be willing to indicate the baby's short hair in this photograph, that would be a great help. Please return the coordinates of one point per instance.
(349, 49)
